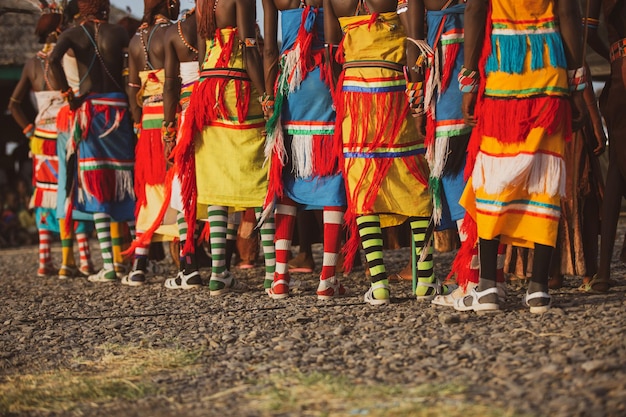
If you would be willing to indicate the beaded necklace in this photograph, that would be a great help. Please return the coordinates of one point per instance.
(45, 65)
(182, 36)
(159, 21)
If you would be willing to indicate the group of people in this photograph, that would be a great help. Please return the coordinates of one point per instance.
(439, 113)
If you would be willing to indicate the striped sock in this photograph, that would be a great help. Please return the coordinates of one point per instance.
(141, 254)
(372, 242)
(182, 233)
(117, 242)
(333, 219)
(103, 231)
(131, 229)
(268, 231)
(67, 245)
(83, 249)
(285, 218)
(425, 271)
(218, 223)
(44, 248)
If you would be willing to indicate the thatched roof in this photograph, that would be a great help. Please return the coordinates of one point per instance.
(18, 19)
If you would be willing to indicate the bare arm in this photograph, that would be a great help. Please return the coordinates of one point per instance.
(246, 20)
(415, 30)
(270, 48)
(134, 81)
(171, 87)
(593, 38)
(55, 59)
(20, 92)
(332, 28)
(569, 23)
(475, 20)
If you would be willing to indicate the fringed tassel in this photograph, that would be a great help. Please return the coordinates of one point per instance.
(547, 175)
(149, 163)
(450, 53)
(123, 185)
(184, 155)
(144, 239)
(302, 155)
(64, 119)
(325, 155)
(511, 121)
(353, 240)
(463, 260)
(435, 189)
(516, 47)
(204, 235)
(92, 181)
(69, 211)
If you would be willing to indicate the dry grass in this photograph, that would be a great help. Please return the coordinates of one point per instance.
(128, 373)
(324, 395)
(120, 373)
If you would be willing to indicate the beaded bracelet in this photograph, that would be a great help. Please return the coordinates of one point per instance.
(137, 128)
(168, 132)
(29, 130)
(577, 79)
(468, 80)
(591, 23)
(415, 96)
(267, 102)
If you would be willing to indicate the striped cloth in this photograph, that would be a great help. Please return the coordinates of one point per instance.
(524, 119)
(101, 157)
(384, 166)
(301, 133)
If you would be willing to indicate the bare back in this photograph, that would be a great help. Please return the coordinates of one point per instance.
(99, 51)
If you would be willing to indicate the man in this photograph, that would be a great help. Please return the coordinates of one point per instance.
(146, 57)
(526, 68)
(101, 158)
(304, 159)
(42, 134)
(384, 166)
(612, 106)
(220, 153)
(181, 75)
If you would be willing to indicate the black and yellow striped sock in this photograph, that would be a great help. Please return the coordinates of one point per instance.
(372, 242)
(420, 227)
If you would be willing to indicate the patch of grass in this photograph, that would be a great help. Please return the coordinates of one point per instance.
(122, 372)
(324, 395)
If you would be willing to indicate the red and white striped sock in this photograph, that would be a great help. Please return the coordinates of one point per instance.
(44, 248)
(285, 218)
(333, 219)
(83, 248)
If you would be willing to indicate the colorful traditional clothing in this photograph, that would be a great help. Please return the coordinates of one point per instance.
(45, 160)
(384, 167)
(220, 155)
(150, 160)
(304, 158)
(525, 117)
(189, 77)
(101, 157)
(446, 132)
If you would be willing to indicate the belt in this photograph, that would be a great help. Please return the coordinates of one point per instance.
(374, 64)
(618, 50)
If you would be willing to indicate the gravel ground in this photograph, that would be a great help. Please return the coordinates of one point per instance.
(569, 362)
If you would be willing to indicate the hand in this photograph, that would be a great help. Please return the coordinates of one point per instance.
(268, 113)
(598, 141)
(467, 106)
(168, 148)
